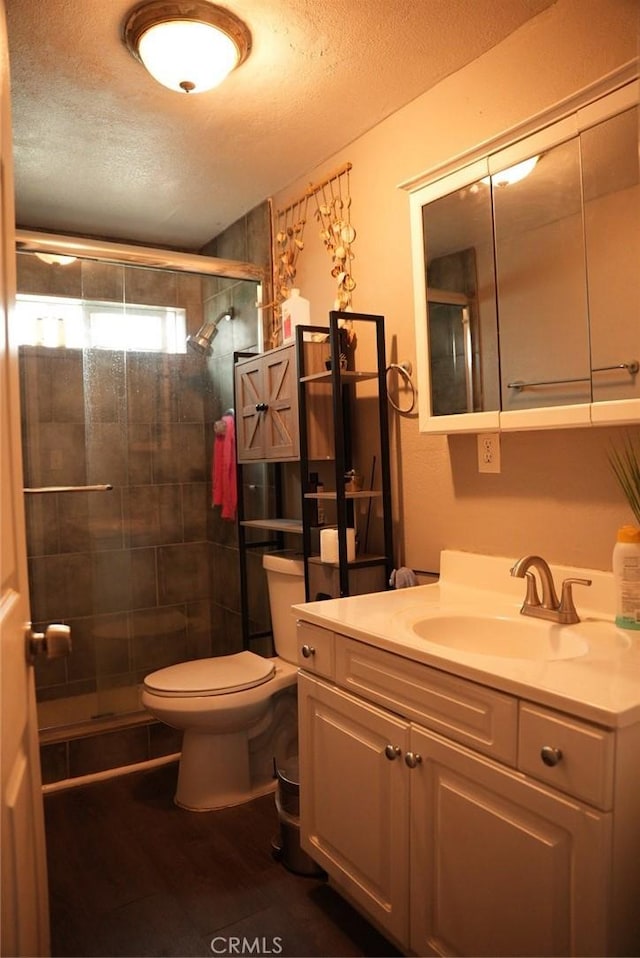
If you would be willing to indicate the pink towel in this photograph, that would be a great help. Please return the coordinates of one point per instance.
(225, 490)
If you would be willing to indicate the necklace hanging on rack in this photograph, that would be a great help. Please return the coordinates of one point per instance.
(333, 215)
(337, 234)
(289, 243)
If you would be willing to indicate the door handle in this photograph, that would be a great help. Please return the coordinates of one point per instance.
(54, 642)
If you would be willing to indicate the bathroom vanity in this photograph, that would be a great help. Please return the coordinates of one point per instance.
(470, 777)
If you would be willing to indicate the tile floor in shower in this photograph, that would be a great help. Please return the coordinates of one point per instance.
(130, 874)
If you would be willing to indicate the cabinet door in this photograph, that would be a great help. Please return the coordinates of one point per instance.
(267, 401)
(354, 800)
(280, 387)
(501, 865)
(249, 417)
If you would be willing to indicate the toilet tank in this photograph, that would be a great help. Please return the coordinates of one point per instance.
(285, 581)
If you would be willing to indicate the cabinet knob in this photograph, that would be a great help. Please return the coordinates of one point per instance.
(392, 752)
(308, 651)
(412, 759)
(262, 406)
(550, 755)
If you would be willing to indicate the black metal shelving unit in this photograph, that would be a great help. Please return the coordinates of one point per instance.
(368, 572)
(344, 380)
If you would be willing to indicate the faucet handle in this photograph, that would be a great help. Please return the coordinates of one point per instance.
(567, 606)
(532, 597)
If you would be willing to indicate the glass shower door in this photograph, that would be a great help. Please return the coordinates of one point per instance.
(114, 415)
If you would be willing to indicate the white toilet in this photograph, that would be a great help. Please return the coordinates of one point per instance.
(237, 711)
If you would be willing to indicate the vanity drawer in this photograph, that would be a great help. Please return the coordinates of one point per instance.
(481, 718)
(316, 649)
(573, 756)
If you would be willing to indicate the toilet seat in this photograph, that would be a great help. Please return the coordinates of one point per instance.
(220, 675)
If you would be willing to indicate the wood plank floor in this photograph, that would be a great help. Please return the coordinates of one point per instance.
(131, 874)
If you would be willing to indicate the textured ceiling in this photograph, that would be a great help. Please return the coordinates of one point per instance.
(101, 149)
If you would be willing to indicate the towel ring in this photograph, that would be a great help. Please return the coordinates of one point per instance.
(405, 371)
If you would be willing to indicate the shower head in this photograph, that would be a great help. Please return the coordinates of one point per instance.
(200, 342)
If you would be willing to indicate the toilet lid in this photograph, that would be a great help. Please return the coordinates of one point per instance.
(217, 676)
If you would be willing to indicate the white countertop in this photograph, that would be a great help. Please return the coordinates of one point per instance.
(602, 684)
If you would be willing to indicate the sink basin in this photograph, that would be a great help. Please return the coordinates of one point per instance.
(505, 637)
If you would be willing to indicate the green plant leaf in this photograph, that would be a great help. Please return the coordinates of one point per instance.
(625, 463)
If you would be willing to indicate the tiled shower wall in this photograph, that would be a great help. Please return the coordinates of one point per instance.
(146, 575)
(250, 240)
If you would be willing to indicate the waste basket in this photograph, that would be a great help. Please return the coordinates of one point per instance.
(286, 846)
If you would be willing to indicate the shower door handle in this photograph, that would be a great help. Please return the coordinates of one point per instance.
(54, 642)
(102, 487)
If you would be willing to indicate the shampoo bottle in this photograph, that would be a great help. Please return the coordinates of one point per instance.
(626, 574)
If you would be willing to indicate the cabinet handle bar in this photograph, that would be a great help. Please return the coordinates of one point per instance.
(520, 384)
(632, 367)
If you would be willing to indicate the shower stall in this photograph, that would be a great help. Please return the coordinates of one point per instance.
(118, 418)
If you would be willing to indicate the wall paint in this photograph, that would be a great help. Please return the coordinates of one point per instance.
(556, 494)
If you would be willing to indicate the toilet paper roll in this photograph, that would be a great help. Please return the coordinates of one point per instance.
(329, 545)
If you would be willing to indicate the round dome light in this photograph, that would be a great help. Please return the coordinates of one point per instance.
(188, 47)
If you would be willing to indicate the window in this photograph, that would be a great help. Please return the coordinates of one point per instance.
(78, 324)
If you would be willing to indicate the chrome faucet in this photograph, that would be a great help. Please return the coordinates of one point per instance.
(562, 611)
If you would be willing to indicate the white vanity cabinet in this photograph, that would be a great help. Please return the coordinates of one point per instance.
(498, 864)
(430, 802)
(355, 799)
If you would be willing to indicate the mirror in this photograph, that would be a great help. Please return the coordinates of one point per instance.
(461, 301)
(611, 175)
(541, 283)
(528, 286)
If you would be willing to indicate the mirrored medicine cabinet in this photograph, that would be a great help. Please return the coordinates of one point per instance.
(527, 277)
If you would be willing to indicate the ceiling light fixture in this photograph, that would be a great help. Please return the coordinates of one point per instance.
(189, 45)
(53, 259)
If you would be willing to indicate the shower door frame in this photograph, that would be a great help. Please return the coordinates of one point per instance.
(32, 241)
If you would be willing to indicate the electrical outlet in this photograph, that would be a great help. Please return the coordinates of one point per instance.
(489, 452)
